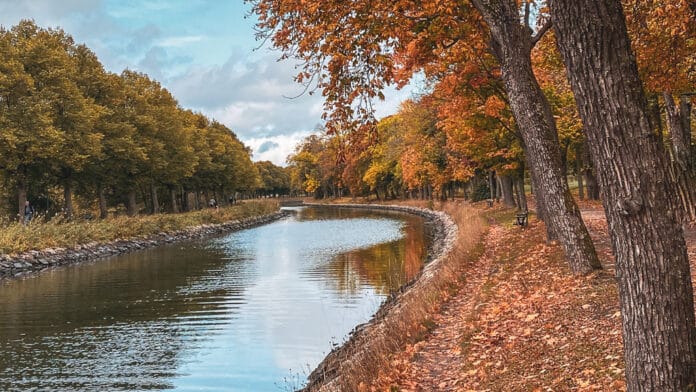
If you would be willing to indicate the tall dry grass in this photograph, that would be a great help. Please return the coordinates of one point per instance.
(42, 233)
(408, 319)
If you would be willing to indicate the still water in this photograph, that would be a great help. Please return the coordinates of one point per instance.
(253, 310)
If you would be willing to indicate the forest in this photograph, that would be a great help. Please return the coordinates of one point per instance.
(600, 89)
(518, 95)
(79, 139)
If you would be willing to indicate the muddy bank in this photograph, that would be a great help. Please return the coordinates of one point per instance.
(37, 260)
(332, 372)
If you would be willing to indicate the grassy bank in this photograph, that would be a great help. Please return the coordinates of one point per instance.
(42, 234)
(409, 319)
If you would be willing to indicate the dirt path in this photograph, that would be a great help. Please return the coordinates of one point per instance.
(438, 361)
(520, 322)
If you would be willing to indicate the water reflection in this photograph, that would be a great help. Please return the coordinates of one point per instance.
(236, 313)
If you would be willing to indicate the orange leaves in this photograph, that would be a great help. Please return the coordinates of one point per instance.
(662, 35)
(494, 106)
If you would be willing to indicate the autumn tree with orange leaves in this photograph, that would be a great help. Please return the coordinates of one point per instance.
(352, 50)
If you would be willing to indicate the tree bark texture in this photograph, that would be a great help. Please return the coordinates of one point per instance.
(679, 124)
(512, 45)
(639, 197)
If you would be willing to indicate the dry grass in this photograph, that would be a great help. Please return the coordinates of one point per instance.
(43, 234)
(407, 319)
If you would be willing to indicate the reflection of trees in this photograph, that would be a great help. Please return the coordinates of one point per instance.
(116, 324)
(384, 267)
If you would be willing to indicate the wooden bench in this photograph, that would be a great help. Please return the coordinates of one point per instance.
(521, 218)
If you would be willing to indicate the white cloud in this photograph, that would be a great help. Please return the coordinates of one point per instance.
(275, 148)
(180, 41)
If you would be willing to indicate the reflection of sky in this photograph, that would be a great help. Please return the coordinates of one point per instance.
(288, 319)
(238, 313)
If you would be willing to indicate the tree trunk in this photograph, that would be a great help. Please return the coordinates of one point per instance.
(639, 197)
(521, 196)
(679, 124)
(578, 175)
(498, 188)
(172, 195)
(67, 198)
(491, 184)
(154, 199)
(588, 173)
(506, 190)
(512, 45)
(21, 198)
(132, 203)
(103, 209)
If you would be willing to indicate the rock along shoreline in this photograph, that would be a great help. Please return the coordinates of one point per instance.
(33, 261)
(326, 376)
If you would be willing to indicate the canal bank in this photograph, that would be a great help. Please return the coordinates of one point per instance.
(404, 315)
(12, 266)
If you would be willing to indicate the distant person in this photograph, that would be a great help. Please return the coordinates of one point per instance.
(212, 203)
(28, 212)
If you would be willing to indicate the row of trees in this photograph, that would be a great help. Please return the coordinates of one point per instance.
(66, 123)
(535, 80)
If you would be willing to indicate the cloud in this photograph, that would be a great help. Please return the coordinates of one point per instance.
(249, 94)
(266, 146)
(180, 41)
(275, 148)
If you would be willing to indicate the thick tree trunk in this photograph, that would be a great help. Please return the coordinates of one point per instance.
(512, 45)
(67, 198)
(103, 209)
(679, 124)
(639, 196)
(506, 189)
(132, 203)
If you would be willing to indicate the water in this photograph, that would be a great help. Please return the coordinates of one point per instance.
(254, 310)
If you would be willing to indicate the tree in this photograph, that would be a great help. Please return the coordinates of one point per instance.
(639, 196)
(351, 50)
(664, 30)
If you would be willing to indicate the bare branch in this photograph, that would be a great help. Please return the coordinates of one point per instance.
(526, 13)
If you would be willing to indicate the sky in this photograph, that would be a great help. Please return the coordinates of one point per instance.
(205, 53)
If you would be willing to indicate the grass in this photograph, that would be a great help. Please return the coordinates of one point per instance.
(44, 233)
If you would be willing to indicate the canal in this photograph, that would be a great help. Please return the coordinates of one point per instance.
(254, 310)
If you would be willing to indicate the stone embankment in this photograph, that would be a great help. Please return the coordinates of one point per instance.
(37, 260)
(360, 346)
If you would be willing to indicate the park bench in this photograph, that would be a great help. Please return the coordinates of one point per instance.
(521, 218)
